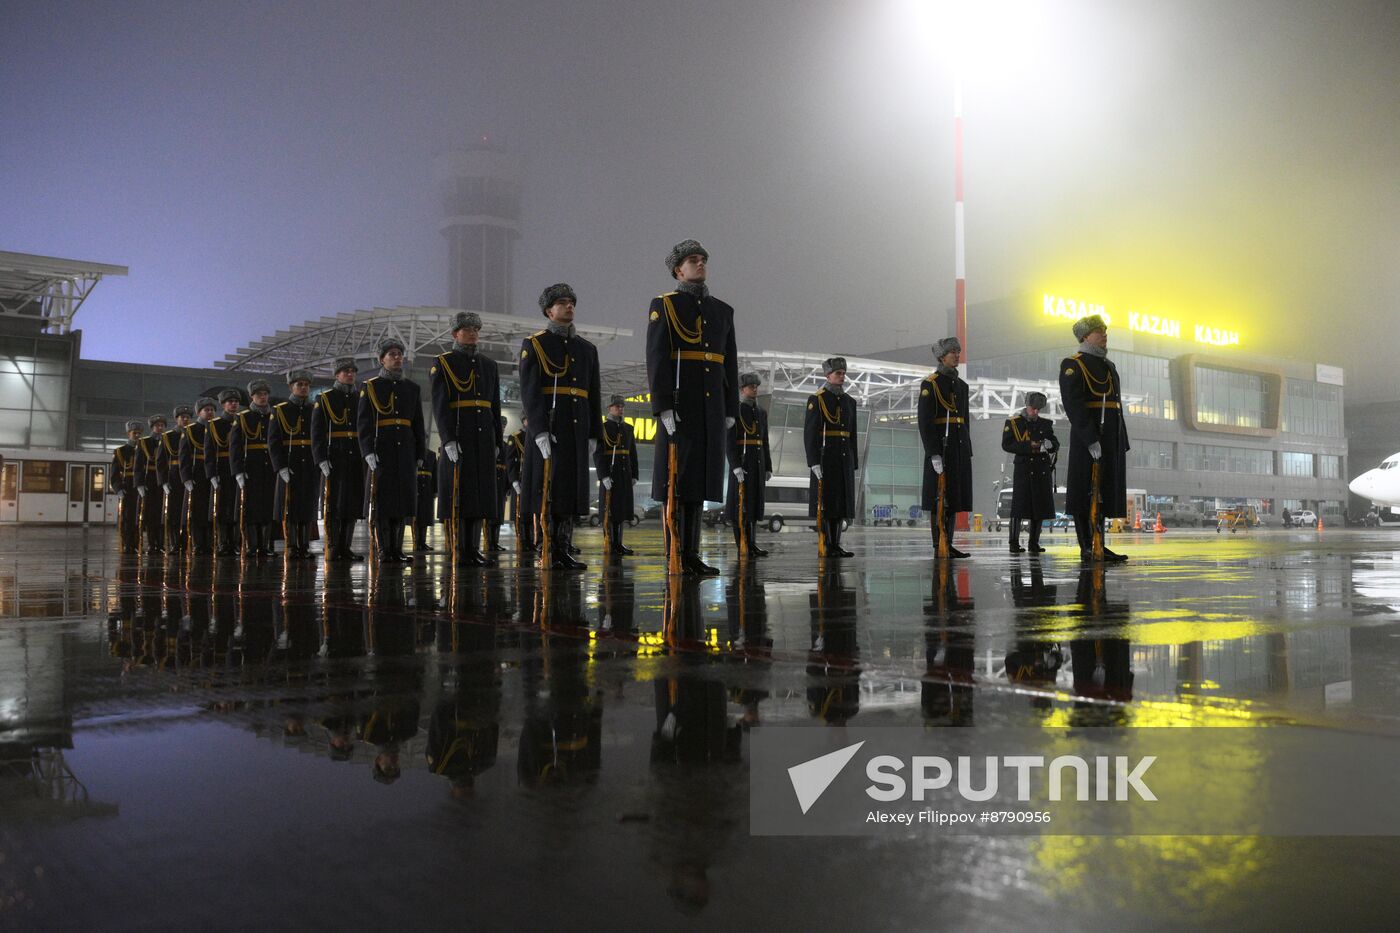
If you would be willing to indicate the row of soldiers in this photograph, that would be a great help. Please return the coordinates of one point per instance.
(360, 453)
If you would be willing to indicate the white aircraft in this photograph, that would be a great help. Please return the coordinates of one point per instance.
(1381, 485)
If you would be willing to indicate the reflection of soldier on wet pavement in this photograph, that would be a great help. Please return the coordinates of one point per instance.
(750, 644)
(1102, 665)
(464, 730)
(393, 677)
(1032, 662)
(833, 663)
(947, 690)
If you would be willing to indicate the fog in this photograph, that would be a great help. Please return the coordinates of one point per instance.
(260, 164)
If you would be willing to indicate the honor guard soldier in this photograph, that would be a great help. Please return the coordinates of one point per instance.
(335, 445)
(289, 446)
(692, 368)
(1096, 484)
(168, 474)
(423, 517)
(1032, 439)
(616, 462)
(503, 491)
(522, 515)
(559, 389)
(750, 467)
(193, 477)
(393, 442)
(252, 470)
(218, 466)
(466, 389)
(943, 428)
(123, 473)
(148, 486)
(829, 436)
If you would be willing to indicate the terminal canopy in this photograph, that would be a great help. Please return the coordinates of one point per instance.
(48, 288)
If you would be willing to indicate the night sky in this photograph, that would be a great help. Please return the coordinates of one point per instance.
(258, 164)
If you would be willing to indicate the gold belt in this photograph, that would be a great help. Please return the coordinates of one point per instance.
(344, 434)
(393, 423)
(703, 355)
(838, 433)
(425, 472)
(298, 443)
(753, 443)
(470, 403)
(617, 452)
(565, 390)
(222, 454)
(257, 447)
(1102, 405)
(956, 419)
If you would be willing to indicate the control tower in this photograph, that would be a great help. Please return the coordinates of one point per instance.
(480, 191)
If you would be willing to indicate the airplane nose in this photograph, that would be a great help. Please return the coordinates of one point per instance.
(1362, 485)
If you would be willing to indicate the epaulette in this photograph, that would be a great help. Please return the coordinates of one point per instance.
(540, 333)
(667, 294)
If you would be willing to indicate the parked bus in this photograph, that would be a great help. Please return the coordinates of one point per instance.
(55, 487)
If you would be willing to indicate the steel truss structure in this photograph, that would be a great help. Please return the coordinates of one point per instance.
(317, 344)
(48, 288)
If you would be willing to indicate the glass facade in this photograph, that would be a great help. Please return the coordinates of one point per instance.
(1227, 397)
(1216, 458)
(1152, 455)
(36, 379)
(1293, 463)
(893, 467)
(1329, 466)
(1147, 379)
(1312, 408)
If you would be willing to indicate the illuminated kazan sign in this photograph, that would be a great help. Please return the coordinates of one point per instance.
(1072, 309)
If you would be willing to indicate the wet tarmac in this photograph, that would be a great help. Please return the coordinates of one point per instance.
(209, 744)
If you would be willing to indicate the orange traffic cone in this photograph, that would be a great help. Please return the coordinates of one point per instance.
(1137, 520)
(1319, 521)
(1159, 528)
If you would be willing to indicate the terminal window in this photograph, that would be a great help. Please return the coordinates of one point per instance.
(1227, 397)
(1294, 463)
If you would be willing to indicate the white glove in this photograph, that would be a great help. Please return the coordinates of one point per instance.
(1096, 450)
(542, 442)
(286, 474)
(767, 476)
(728, 422)
(372, 461)
(669, 419)
(325, 466)
(817, 471)
(121, 494)
(937, 462)
(592, 447)
(516, 486)
(241, 479)
(141, 491)
(739, 473)
(607, 482)
(214, 481)
(452, 450)
(166, 488)
(189, 485)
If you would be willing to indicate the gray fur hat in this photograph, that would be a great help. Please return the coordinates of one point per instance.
(298, 375)
(834, 363)
(259, 385)
(185, 410)
(1087, 325)
(466, 319)
(556, 292)
(391, 343)
(945, 346)
(156, 419)
(346, 362)
(617, 400)
(205, 402)
(749, 379)
(230, 395)
(680, 251)
(134, 426)
(1036, 400)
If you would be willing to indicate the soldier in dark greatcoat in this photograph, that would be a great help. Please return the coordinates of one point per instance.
(218, 467)
(693, 372)
(559, 389)
(298, 480)
(750, 466)
(196, 480)
(1098, 439)
(148, 486)
(393, 441)
(335, 444)
(616, 462)
(1031, 438)
(168, 475)
(427, 504)
(833, 456)
(943, 427)
(466, 389)
(522, 514)
(252, 470)
(123, 473)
